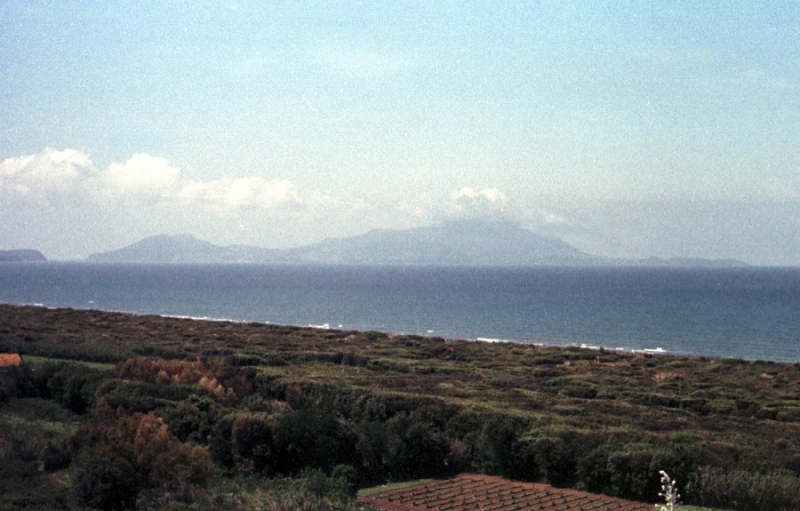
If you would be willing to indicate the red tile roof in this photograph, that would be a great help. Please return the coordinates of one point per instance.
(488, 493)
(10, 360)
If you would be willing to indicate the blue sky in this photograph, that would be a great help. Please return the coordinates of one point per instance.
(629, 129)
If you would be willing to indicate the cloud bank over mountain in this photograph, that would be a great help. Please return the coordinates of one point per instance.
(64, 192)
(62, 203)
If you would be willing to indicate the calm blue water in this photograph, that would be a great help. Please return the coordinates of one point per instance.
(751, 313)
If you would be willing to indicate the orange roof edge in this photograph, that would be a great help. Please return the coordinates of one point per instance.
(10, 360)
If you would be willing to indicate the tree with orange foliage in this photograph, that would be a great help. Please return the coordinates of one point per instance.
(121, 455)
(221, 380)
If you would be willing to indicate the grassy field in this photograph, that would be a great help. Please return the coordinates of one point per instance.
(718, 400)
(35, 360)
(372, 490)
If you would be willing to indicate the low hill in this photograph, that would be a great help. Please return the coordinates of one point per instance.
(19, 256)
(180, 249)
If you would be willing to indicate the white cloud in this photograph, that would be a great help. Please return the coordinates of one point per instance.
(492, 203)
(42, 175)
(141, 174)
(251, 191)
(71, 176)
(549, 218)
(470, 199)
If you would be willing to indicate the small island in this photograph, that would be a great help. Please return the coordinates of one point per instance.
(21, 256)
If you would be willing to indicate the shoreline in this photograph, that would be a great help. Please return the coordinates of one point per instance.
(327, 328)
(341, 328)
(751, 316)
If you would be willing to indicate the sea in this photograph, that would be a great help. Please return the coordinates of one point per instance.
(749, 313)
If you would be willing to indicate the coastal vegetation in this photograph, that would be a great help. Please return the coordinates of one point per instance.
(117, 411)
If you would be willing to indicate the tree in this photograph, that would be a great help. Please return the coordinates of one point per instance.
(252, 438)
(312, 438)
(121, 455)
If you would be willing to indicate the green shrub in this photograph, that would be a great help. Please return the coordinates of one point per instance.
(105, 482)
(193, 419)
(494, 446)
(253, 440)
(740, 490)
(311, 438)
(582, 391)
(243, 360)
(56, 455)
(143, 397)
(544, 458)
(221, 443)
(292, 500)
(120, 456)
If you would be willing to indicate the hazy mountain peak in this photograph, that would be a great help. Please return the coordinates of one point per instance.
(481, 242)
(174, 240)
(166, 248)
(462, 242)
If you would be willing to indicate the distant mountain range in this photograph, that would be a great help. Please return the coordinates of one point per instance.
(455, 243)
(462, 243)
(20, 256)
(181, 248)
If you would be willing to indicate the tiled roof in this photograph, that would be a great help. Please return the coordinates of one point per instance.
(10, 360)
(488, 493)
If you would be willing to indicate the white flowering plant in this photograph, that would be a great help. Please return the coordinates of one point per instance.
(669, 490)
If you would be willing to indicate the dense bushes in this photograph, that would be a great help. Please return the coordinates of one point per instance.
(400, 448)
(9, 382)
(119, 456)
(193, 419)
(387, 437)
(182, 423)
(330, 407)
(252, 438)
(737, 489)
(311, 438)
(311, 491)
(177, 428)
(219, 379)
(105, 482)
(72, 385)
